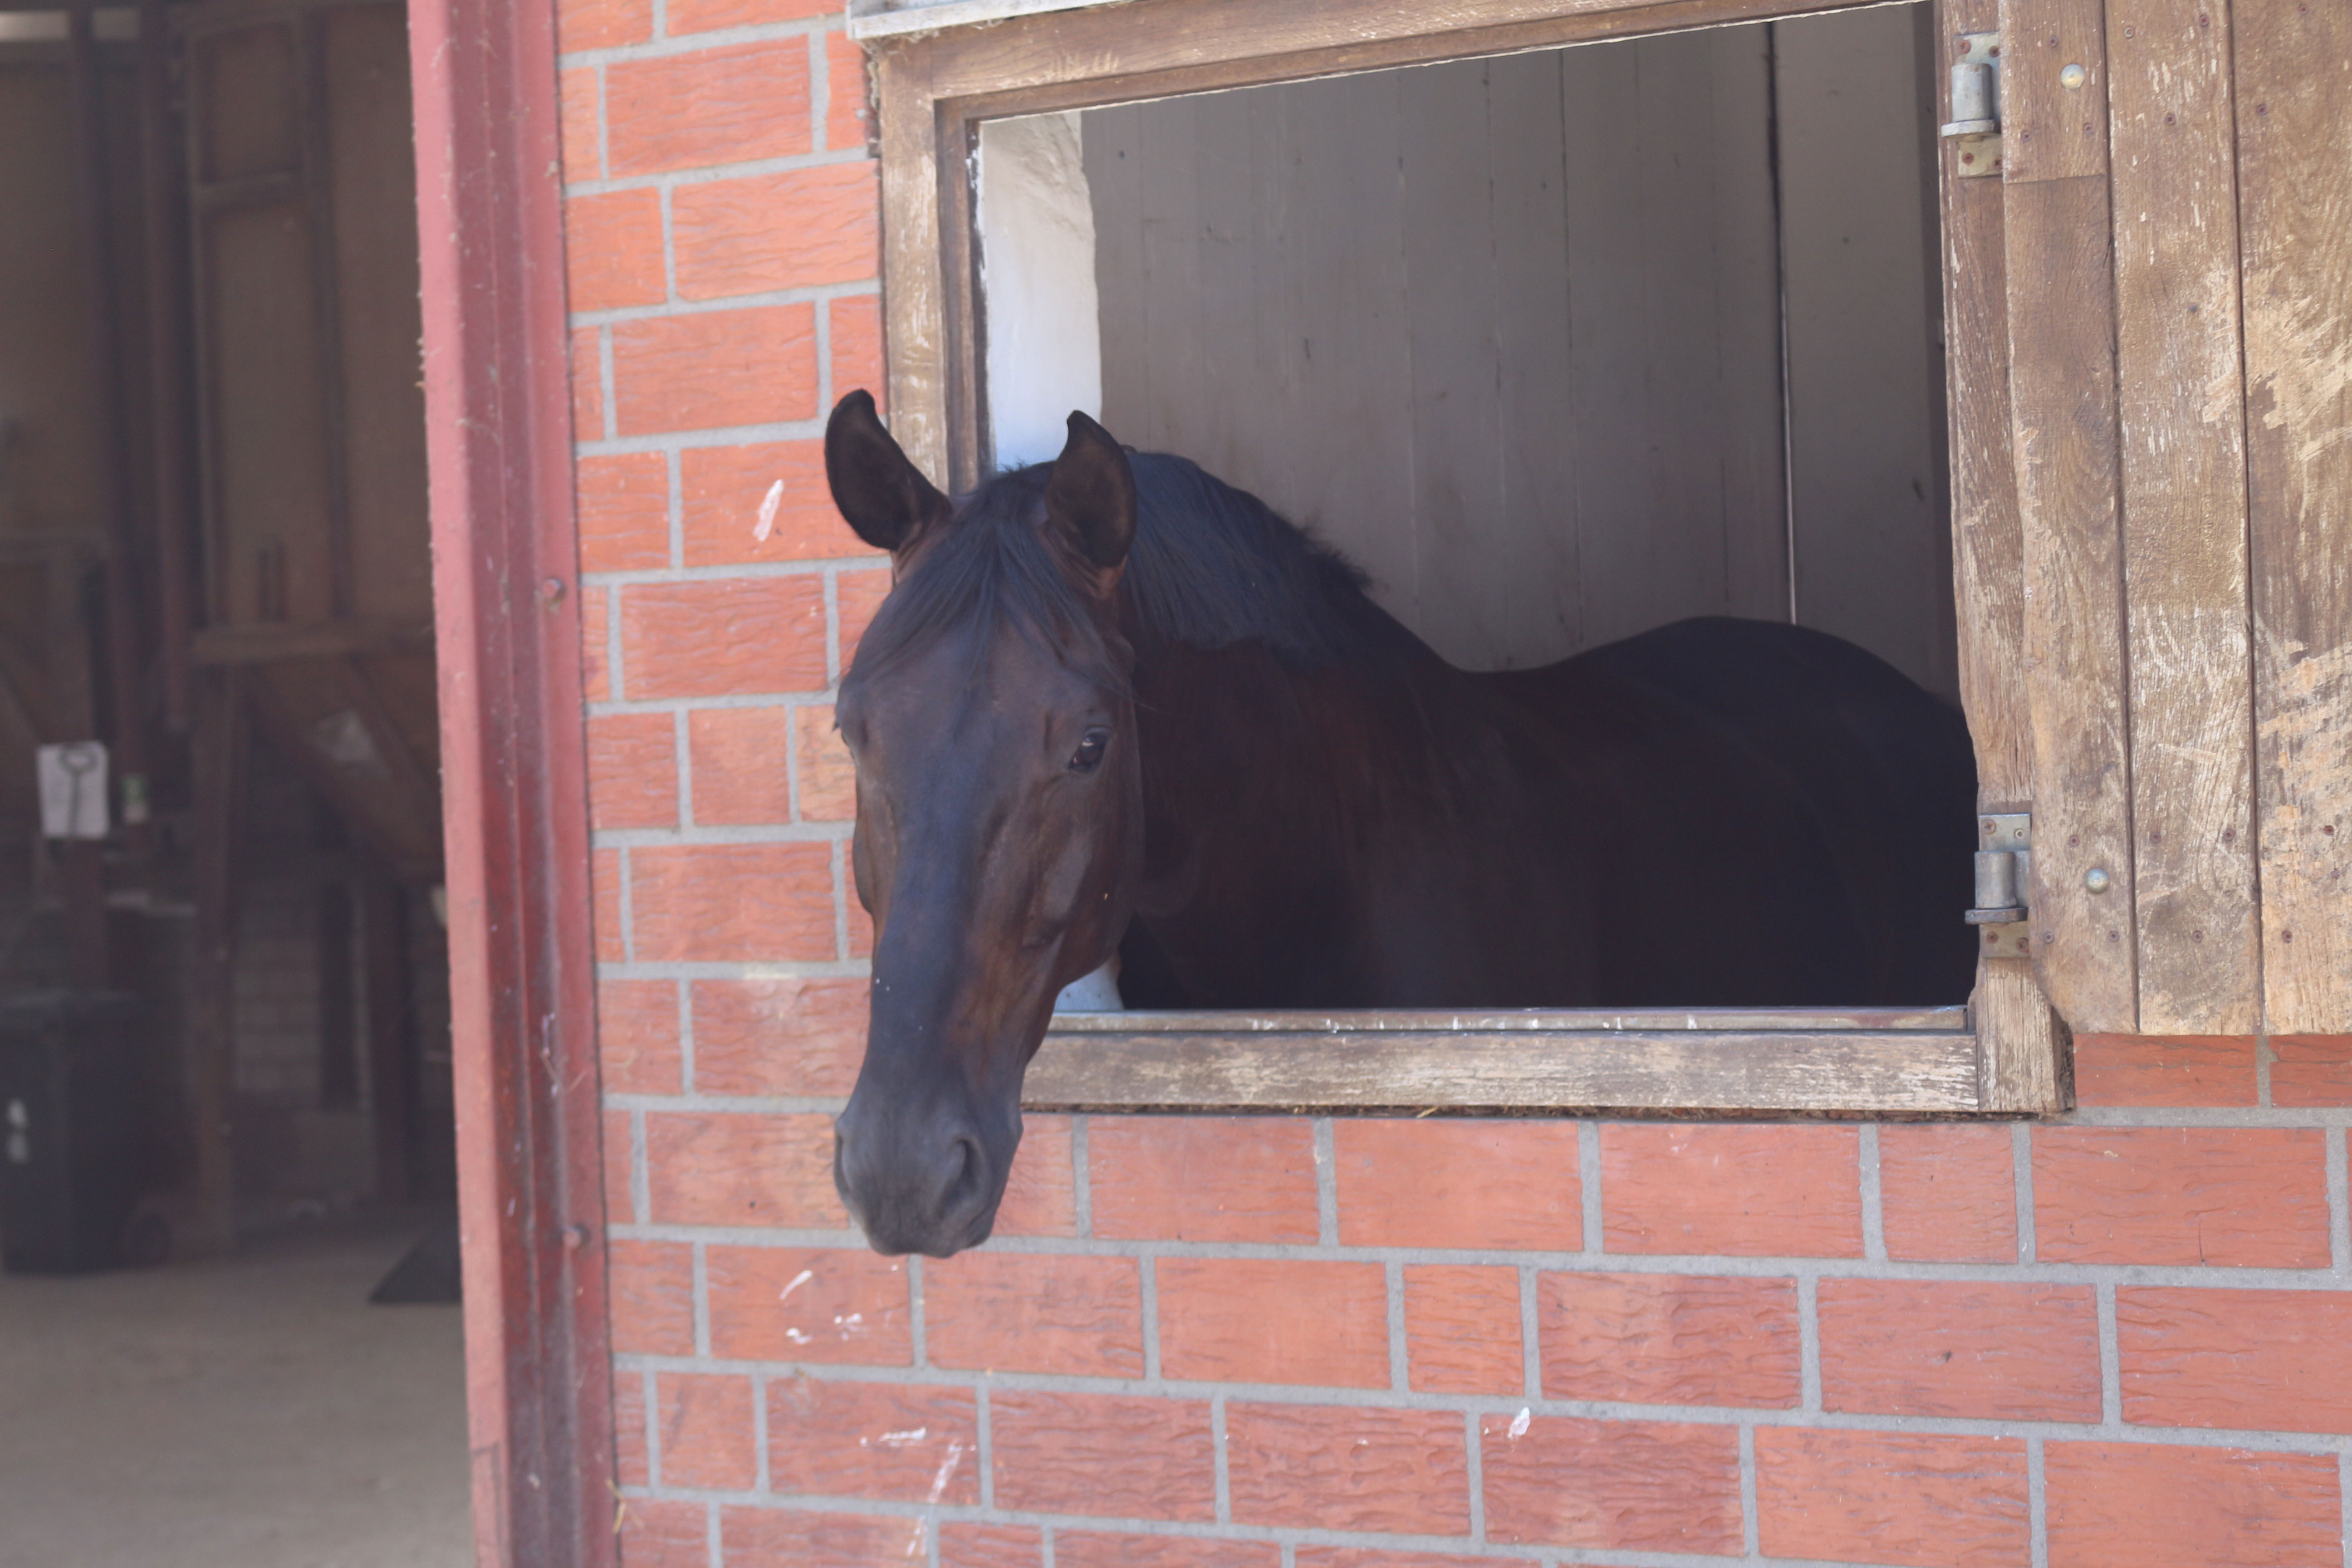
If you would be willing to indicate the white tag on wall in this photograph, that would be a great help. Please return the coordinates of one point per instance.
(73, 790)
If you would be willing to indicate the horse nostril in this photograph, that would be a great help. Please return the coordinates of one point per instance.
(963, 1189)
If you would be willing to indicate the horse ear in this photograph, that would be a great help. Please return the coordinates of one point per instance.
(881, 495)
(1090, 500)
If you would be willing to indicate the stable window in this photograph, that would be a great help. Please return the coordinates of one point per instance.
(1833, 322)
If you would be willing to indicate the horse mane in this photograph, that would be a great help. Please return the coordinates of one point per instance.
(1211, 565)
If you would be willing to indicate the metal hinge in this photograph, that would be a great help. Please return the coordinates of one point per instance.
(2004, 883)
(1975, 105)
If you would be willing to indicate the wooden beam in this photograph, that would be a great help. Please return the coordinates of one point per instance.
(1906, 1072)
(267, 643)
(219, 743)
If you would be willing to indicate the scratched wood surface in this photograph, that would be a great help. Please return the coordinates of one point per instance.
(2019, 1039)
(1461, 1071)
(2059, 260)
(2295, 151)
(2184, 488)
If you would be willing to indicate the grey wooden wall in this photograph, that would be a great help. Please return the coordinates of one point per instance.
(1509, 332)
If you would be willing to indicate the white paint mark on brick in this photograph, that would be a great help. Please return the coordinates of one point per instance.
(1519, 1422)
(803, 1277)
(767, 523)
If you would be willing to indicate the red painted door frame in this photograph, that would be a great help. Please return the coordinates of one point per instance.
(514, 781)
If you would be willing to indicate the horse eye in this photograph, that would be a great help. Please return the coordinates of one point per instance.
(1089, 754)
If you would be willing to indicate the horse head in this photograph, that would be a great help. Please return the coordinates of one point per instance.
(999, 819)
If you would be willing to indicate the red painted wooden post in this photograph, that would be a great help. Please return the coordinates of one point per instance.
(514, 787)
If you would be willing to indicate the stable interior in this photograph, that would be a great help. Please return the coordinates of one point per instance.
(1558, 346)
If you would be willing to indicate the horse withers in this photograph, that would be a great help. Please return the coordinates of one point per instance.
(1113, 704)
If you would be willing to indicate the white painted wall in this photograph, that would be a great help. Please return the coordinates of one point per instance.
(1037, 270)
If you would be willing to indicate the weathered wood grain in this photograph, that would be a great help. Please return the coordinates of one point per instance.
(1682, 1070)
(2295, 152)
(915, 341)
(1523, 1020)
(2019, 1039)
(2184, 489)
(2058, 257)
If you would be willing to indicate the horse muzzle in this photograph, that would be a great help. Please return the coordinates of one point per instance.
(926, 1180)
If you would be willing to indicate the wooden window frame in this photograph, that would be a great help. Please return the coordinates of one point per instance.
(2005, 1053)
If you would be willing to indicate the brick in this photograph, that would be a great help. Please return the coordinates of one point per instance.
(1199, 1178)
(740, 761)
(2261, 1361)
(1488, 1184)
(632, 1462)
(801, 1538)
(746, 902)
(1372, 1557)
(1272, 1320)
(967, 1545)
(708, 16)
(710, 370)
(1342, 1467)
(849, 117)
(1988, 1352)
(651, 1284)
(723, 488)
(1104, 1456)
(1741, 1192)
(2252, 1197)
(719, 1167)
(1008, 1312)
(890, 1440)
(624, 512)
(637, 1037)
(813, 1305)
(803, 229)
(605, 895)
(828, 777)
(858, 347)
(707, 107)
(1102, 1549)
(858, 594)
(582, 141)
(704, 1435)
(2306, 1071)
(657, 1534)
(741, 638)
(613, 250)
(2160, 1069)
(1625, 1485)
(2166, 1506)
(632, 770)
(1903, 1499)
(861, 924)
(620, 1207)
(778, 1037)
(602, 24)
(1948, 1194)
(1041, 1196)
(1670, 1339)
(595, 627)
(1461, 1329)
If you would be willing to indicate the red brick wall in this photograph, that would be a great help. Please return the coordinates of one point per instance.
(1206, 1343)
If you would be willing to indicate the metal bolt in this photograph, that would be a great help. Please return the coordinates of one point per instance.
(2073, 77)
(551, 592)
(2096, 879)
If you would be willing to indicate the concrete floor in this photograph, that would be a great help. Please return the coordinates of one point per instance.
(251, 1413)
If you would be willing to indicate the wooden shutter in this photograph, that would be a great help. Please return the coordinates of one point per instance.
(2176, 633)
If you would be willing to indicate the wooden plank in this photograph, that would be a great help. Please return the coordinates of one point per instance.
(2058, 264)
(1752, 452)
(1454, 309)
(2184, 485)
(2295, 172)
(913, 302)
(1537, 1020)
(218, 747)
(2019, 1041)
(391, 1035)
(265, 643)
(1444, 1069)
(1865, 515)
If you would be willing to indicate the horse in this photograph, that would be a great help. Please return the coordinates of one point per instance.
(1112, 704)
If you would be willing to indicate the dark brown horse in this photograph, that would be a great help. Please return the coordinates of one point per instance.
(1113, 703)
